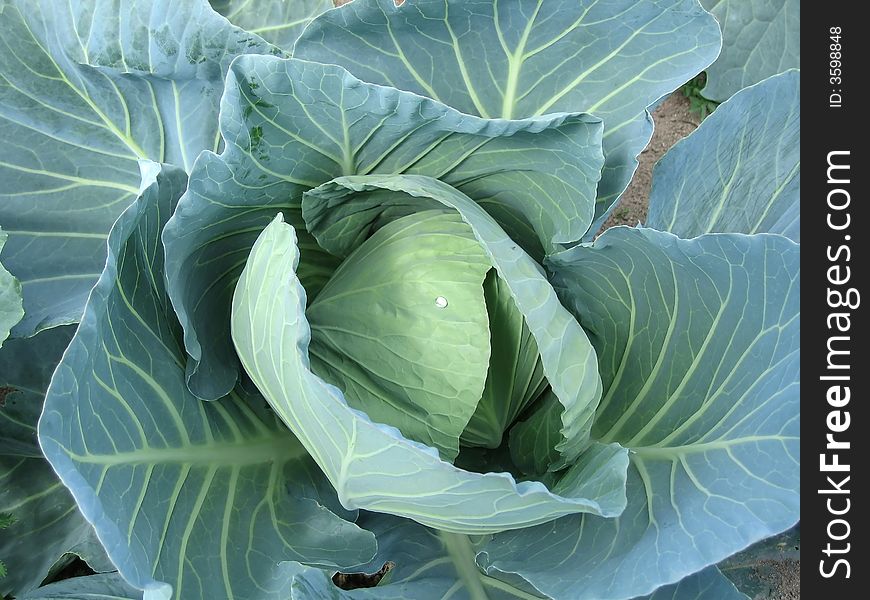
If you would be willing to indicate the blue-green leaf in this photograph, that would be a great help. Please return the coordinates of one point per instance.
(709, 584)
(26, 366)
(698, 345)
(190, 499)
(760, 38)
(277, 21)
(739, 171)
(271, 335)
(46, 524)
(431, 565)
(341, 212)
(86, 91)
(424, 564)
(11, 309)
(109, 586)
(518, 58)
(290, 125)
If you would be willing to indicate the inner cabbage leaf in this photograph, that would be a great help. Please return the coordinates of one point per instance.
(516, 375)
(401, 327)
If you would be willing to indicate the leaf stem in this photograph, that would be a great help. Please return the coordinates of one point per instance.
(459, 549)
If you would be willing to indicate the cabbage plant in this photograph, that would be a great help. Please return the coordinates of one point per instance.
(352, 318)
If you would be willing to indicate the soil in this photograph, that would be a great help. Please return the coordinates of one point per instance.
(773, 578)
(673, 122)
(783, 578)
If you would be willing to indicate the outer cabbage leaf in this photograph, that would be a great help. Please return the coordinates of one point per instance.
(426, 565)
(379, 333)
(277, 21)
(271, 335)
(291, 125)
(518, 58)
(109, 586)
(11, 309)
(698, 345)
(190, 499)
(86, 90)
(431, 565)
(739, 171)
(341, 212)
(46, 524)
(703, 585)
(760, 38)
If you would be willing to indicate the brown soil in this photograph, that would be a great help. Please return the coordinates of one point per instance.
(783, 579)
(673, 122)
